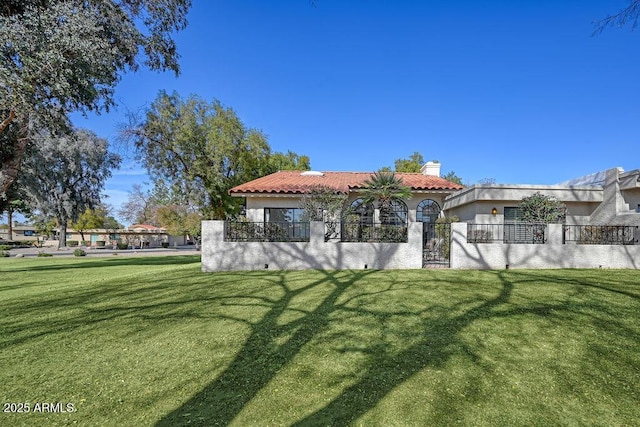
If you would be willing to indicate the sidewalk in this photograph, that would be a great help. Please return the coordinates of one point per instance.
(94, 252)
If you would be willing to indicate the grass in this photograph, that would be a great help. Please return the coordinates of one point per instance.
(155, 342)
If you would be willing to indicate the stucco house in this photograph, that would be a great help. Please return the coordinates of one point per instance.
(609, 197)
(601, 228)
(276, 197)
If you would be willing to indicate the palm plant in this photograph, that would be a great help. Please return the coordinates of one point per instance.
(384, 188)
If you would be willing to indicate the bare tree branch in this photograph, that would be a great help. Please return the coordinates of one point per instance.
(630, 14)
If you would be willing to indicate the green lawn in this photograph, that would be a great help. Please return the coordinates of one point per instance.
(153, 341)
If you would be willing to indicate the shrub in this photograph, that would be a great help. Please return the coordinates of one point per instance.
(4, 254)
(100, 243)
(542, 209)
(44, 254)
(72, 243)
(86, 243)
(79, 252)
(122, 245)
(165, 244)
(5, 247)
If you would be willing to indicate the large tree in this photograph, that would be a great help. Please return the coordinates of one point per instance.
(98, 217)
(64, 176)
(180, 221)
(288, 161)
(139, 208)
(452, 177)
(412, 164)
(203, 149)
(58, 56)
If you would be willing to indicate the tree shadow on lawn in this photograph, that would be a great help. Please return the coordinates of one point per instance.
(174, 296)
(264, 354)
(261, 358)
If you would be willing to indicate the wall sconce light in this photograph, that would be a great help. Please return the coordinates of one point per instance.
(494, 211)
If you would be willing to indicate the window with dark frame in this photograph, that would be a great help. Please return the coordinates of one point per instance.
(397, 215)
(515, 228)
(428, 211)
(289, 220)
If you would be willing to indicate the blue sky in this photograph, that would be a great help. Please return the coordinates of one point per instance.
(520, 92)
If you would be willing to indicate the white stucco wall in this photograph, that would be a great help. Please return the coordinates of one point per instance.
(474, 204)
(218, 255)
(552, 254)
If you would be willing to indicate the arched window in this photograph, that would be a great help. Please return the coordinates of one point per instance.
(428, 211)
(357, 222)
(360, 212)
(396, 215)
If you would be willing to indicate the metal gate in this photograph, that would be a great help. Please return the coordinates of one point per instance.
(436, 245)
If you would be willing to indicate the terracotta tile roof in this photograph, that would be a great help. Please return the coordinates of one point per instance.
(295, 182)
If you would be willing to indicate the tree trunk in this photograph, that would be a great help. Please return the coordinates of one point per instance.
(62, 238)
(11, 164)
(10, 223)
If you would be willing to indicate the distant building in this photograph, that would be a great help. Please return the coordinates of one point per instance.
(135, 236)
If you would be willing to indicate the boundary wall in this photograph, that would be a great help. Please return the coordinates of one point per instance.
(218, 255)
(552, 254)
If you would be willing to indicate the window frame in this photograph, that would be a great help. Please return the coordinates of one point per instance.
(433, 217)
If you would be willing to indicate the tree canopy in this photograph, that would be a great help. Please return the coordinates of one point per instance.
(179, 221)
(97, 217)
(64, 176)
(202, 149)
(140, 207)
(384, 188)
(59, 56)
(412, 164)
(452, 177)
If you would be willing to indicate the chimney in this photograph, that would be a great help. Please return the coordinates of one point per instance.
(431, 168)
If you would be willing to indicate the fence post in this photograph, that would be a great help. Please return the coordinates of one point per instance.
(555, 235)
(457, 245)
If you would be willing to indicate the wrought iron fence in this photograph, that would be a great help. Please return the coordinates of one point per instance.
(507, 233)
(600, 234)
(246, 231)
(373, 232)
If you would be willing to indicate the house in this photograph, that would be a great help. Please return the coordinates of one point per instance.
(276, 197)
(608, 197)
(134, 236)
(137, 235)
(601, 229)
(20, 233)
(272, 234)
